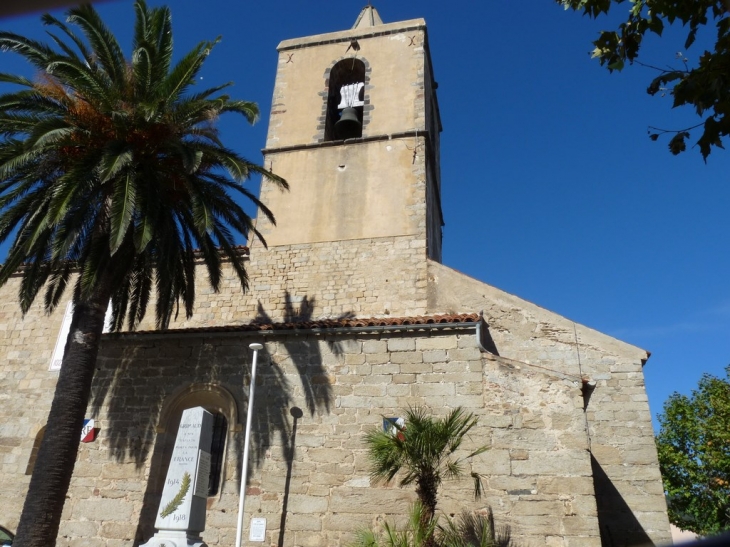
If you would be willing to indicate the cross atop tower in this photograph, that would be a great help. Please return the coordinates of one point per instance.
(368, 17)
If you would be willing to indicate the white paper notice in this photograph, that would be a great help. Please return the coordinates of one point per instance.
(258, 530)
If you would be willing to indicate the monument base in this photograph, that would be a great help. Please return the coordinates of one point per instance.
(168, 538)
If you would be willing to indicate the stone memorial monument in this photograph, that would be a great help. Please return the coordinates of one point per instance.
(181, 515)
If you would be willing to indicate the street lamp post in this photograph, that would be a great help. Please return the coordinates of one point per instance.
(247, 439)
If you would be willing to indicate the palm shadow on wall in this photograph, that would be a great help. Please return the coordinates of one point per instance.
(135, 377)
(305, 352)
(304, 355)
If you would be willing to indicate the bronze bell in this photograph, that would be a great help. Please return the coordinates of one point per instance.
(348, 126)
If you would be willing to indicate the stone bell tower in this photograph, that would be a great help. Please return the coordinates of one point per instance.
(354, 129)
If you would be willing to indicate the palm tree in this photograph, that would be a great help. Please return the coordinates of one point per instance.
(112, 179)
(424, 448)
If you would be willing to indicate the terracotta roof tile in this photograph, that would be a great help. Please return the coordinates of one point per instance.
(455, 319)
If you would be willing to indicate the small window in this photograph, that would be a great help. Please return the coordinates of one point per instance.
(345, 100)
(217, 451)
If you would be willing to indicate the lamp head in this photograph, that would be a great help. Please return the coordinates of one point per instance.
(255, 346)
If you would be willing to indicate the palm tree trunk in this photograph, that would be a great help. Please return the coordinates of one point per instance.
(54, 466)
(427, 490)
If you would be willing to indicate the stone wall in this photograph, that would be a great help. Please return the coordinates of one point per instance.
(287, 283)
(26, 389)
(355, 191)
(395, 53)
(625, 466)
(527, 390)
(311, 472)
(357, 278)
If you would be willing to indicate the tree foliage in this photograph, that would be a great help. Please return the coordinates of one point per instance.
(694, 456)
(113, 179)
(110, 166)
(702, 84)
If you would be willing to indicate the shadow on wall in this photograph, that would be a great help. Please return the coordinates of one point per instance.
(137, 377)
(619, 527)
(486, 340)
(305, 353)
(296, 413)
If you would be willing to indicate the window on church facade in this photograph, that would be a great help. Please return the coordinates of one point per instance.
(217, 450)
(345, 100)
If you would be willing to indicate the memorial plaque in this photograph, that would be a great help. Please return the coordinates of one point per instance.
(258, 530)
(184, 496)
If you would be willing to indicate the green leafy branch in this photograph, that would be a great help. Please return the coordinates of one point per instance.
(700, 84)
(175, 502)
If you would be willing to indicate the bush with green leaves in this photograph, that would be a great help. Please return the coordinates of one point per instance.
(424, 450)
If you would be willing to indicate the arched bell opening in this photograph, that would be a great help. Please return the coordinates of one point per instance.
(345, 100)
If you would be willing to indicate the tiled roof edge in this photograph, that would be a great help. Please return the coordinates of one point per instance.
(447, 320)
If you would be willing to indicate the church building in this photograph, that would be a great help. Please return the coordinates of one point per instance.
(359, 320)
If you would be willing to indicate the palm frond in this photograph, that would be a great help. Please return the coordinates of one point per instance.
(85, 53)
(57, 284)
(183, 75)
(15, 79)
(83, 79)
(122, 210)
(70, 53)
(470, 529)
(104, 44)
(118, 169)
(416, 532)
(36, 52)
(247, 109)
(142, 67)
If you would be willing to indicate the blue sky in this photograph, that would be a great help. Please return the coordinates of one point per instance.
(551, 188)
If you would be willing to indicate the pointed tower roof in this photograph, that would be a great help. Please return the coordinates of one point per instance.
(369, 17)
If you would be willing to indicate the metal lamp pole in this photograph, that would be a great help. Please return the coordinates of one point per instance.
(249, 413)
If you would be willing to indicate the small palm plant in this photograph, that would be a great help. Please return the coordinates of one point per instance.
(416, 532)
(425, 450)
(473, 530)
(468, 529)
